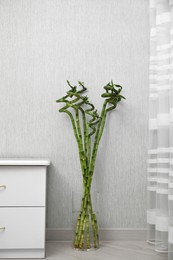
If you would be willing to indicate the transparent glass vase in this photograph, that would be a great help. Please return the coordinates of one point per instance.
(85, 212)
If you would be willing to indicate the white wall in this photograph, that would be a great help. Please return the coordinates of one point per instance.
(45, 42)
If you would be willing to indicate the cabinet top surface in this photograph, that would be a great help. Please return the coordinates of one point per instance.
(16, 161)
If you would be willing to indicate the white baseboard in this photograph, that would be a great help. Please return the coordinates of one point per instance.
(65, 234)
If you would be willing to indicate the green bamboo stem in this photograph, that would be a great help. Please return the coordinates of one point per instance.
(81, 149)
(89, 151)
(77, 132)
(83, 222)
(94, 223)
(93, 121)
(92, 128)
(77, 139)
(96, 142)
(88, 241)
(85, 137)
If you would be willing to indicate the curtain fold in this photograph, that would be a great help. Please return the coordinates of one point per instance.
(160, 153)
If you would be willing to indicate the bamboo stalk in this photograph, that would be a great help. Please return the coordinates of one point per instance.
(96, 143)
(87, 153)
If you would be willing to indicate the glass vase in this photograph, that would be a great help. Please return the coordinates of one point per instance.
(85, 220)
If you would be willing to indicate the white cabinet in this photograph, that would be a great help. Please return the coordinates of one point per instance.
(24, 227)
(24, 185)
(22, 208)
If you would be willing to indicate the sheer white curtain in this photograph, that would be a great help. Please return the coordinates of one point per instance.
(160, 161)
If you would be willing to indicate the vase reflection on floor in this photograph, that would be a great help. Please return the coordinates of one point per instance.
(85, 220)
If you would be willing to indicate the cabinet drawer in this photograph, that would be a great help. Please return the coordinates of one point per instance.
(24, 228)
(22, 185)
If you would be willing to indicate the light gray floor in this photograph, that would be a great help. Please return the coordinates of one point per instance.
(113, 250)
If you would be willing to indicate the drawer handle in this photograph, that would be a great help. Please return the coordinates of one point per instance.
(2, 228)
(2, 186)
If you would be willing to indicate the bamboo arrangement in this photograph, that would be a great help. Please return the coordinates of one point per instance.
(88, 128)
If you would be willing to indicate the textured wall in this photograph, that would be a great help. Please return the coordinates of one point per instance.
(45, 42)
